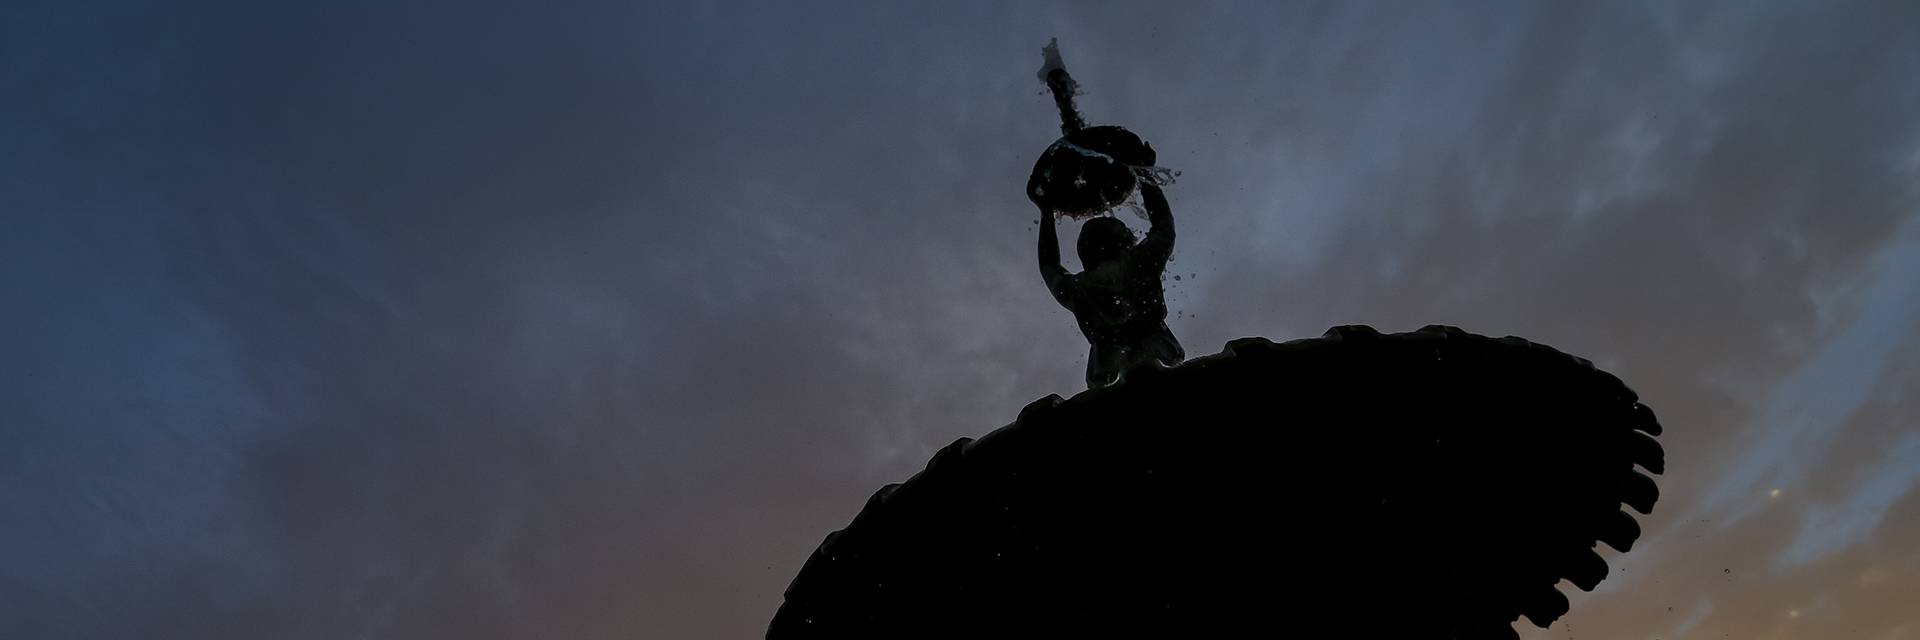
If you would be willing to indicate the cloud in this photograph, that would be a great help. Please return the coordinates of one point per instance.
(394, 321)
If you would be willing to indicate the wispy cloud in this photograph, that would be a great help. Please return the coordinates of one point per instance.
(383, 320)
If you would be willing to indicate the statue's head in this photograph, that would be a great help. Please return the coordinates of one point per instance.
(1103, 239)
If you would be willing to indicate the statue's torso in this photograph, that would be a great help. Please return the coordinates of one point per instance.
(1119, 302)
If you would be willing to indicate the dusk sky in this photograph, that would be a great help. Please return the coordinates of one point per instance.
(585, 320)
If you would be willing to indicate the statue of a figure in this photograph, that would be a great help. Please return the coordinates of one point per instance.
(1117, 298)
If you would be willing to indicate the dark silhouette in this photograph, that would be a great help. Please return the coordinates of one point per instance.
(1433, 484)
(1117, 298)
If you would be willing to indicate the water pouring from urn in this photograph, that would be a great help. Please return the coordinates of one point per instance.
(1090, 170)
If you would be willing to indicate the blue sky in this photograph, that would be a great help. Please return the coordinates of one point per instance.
(590, 320)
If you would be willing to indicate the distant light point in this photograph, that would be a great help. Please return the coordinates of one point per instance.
(1774, 493)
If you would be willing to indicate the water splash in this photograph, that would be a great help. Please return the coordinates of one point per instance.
(1158, 175)
(1161, 176)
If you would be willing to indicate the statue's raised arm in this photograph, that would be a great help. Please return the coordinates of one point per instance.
(1158, 247)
